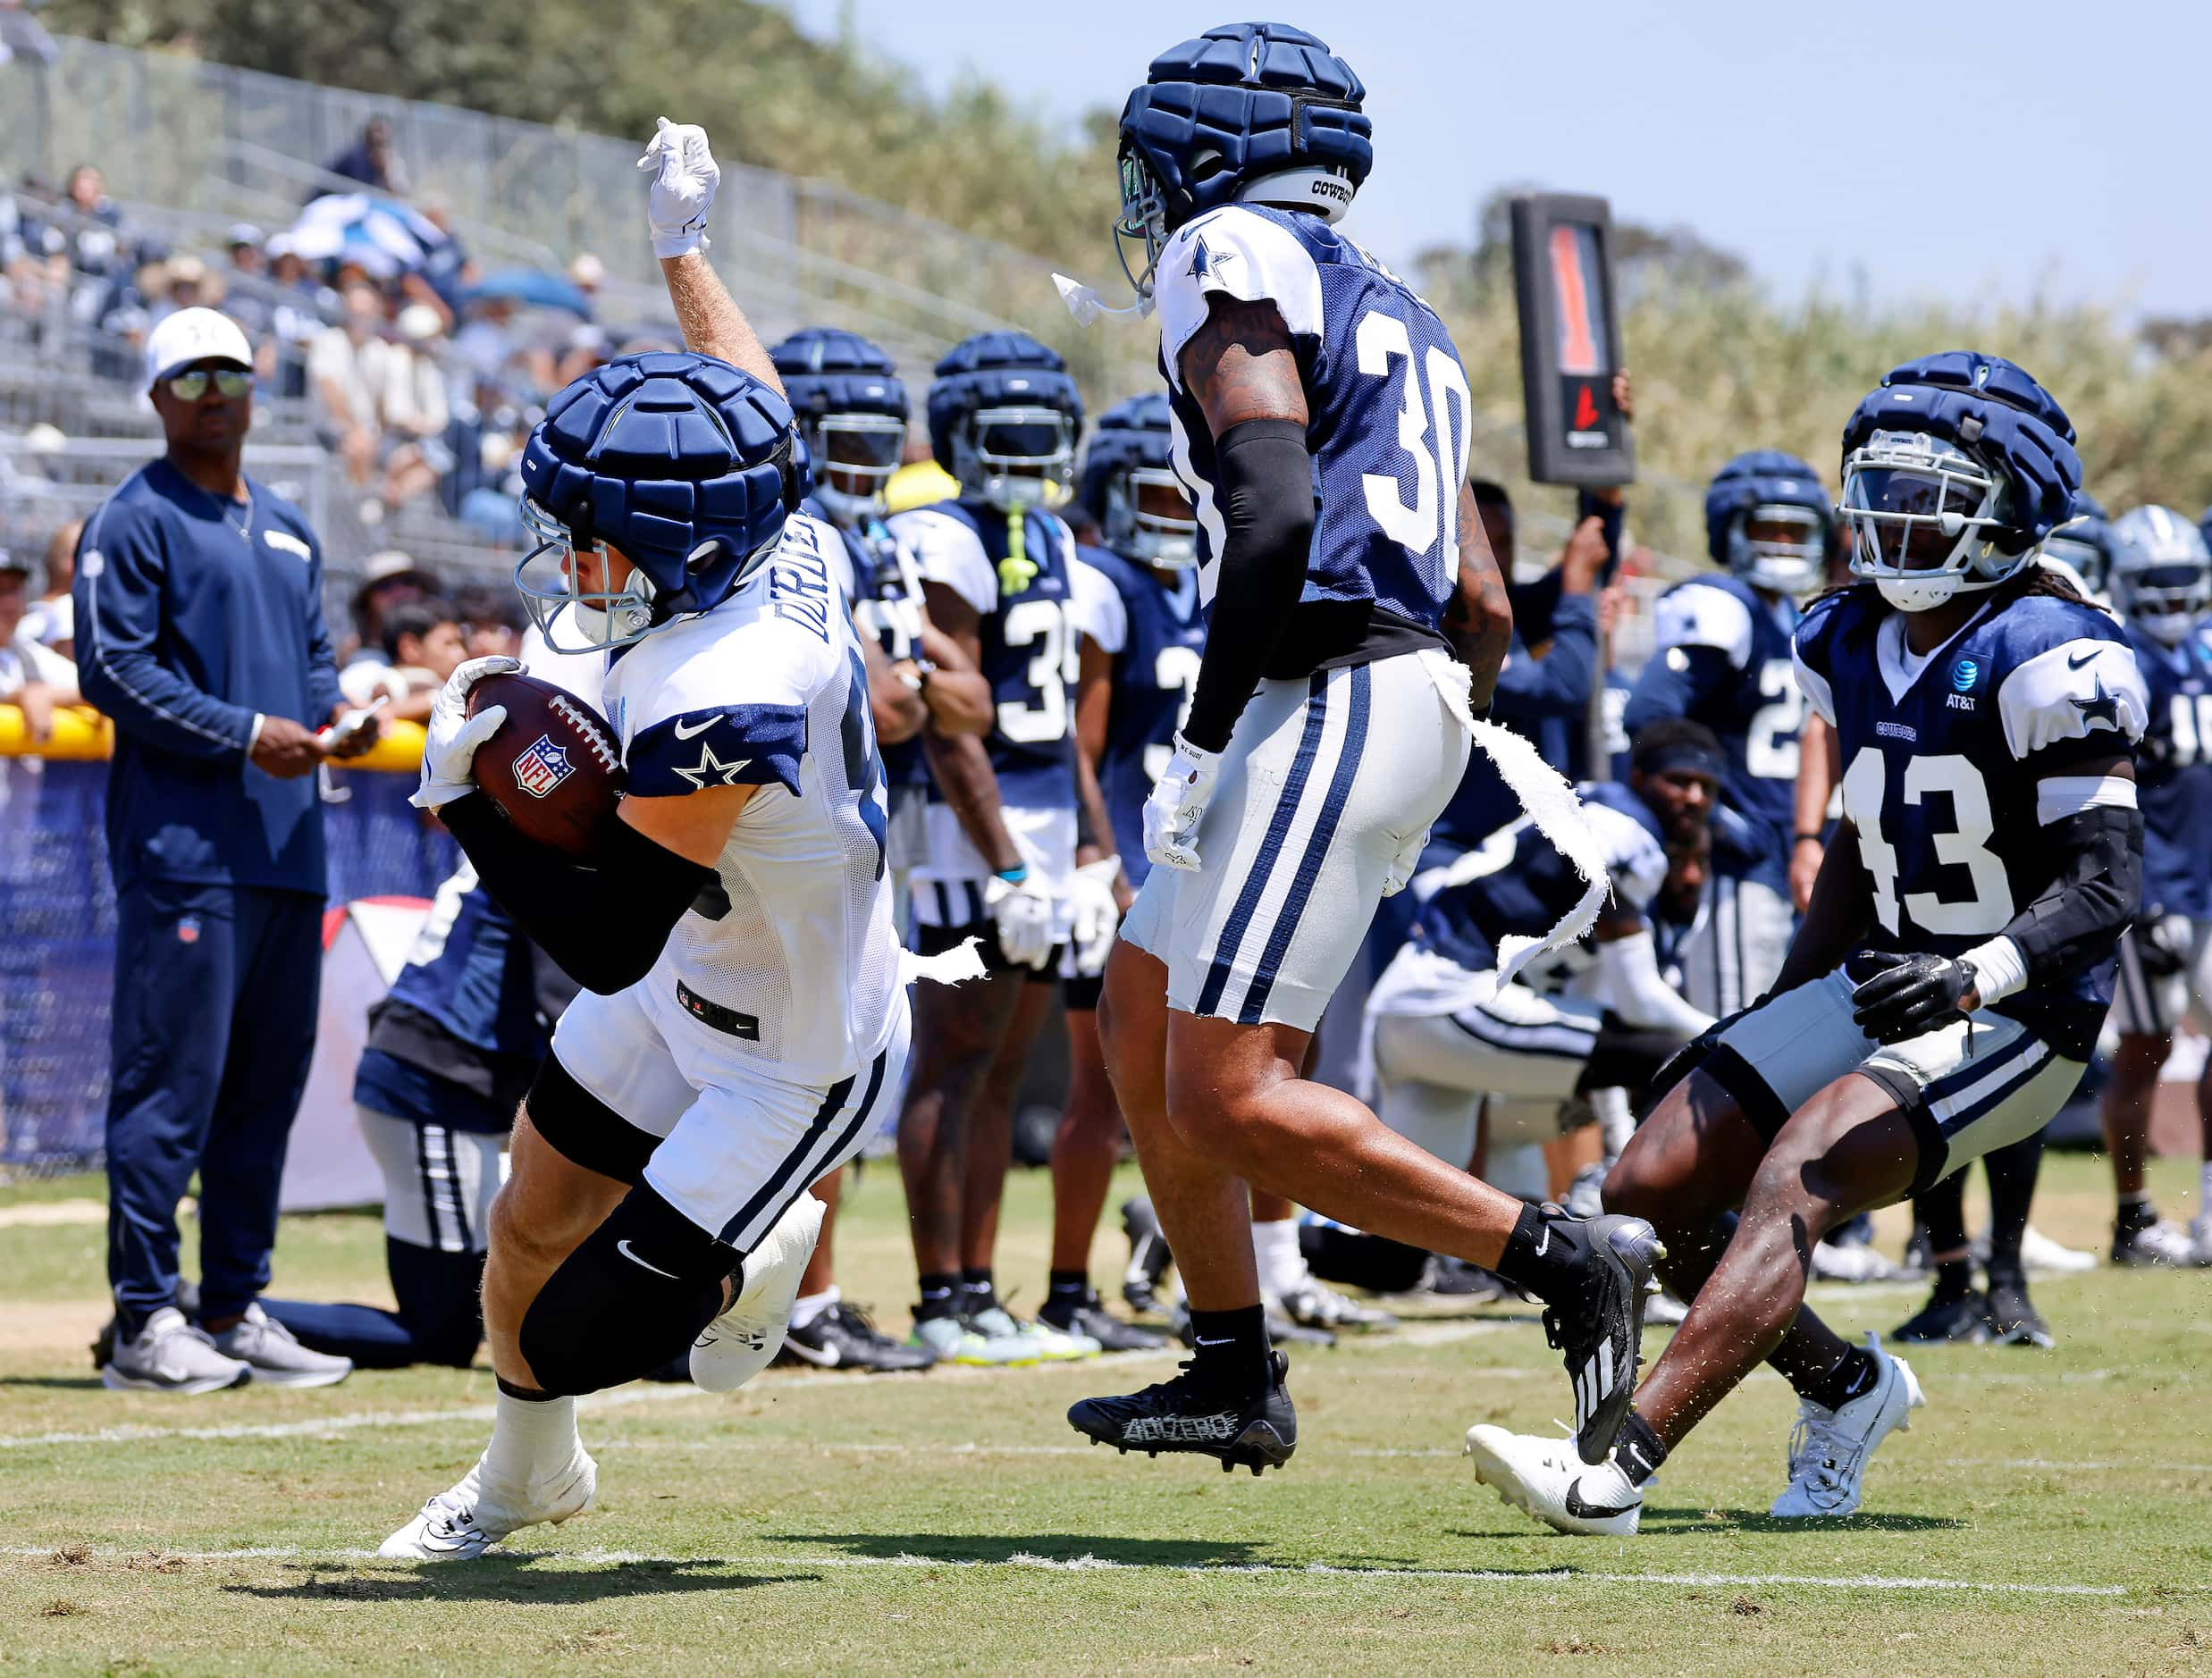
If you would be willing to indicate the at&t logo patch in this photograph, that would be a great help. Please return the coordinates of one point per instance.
(1964, 674)
(542, 767)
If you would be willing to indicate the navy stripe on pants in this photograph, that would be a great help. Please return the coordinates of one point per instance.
(217, 991)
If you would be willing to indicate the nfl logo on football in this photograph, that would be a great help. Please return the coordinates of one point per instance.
(541, 768)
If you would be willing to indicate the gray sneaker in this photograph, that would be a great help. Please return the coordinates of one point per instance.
(169, 1355)
(266, 1347)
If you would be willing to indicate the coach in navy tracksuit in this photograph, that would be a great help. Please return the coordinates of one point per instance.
(200, 633)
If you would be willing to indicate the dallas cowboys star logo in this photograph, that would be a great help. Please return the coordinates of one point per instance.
(724, 774)
(1207, 263)
(2100, 712)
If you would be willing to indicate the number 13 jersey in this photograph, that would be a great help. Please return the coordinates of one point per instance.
(1388, 410)
(1948, 764)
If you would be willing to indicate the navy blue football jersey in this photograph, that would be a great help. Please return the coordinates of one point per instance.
(1389, 414)
(2174, 774)
(1155, 630)
(1517, 881)
(1721, 657)
(1017, 580)
(1941, 763)
(466, 1021)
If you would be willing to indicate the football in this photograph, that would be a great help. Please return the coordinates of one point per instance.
(553, 767)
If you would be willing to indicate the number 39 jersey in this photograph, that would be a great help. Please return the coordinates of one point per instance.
(788, 957)
(1943, 762)
(1155, 629)
(2176, 772)
(1016, 577)
(1721, 641)
(1389, 414)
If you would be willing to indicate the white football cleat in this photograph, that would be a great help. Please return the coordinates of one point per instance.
(1829, 1449)
(461, 1524)
(744, 1339)
(1548, 1479)
(2038, 1252)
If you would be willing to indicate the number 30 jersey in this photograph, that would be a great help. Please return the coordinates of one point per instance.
(1389, 414)
(1721, 657)
(1947, 765)
(788, 957)
(1016, 577)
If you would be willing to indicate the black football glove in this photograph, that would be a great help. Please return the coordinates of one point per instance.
(1900, 997)
(2153, 948)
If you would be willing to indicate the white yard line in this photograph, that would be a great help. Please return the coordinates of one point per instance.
(1093, 1563)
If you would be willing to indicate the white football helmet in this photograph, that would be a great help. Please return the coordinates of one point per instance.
(2161, 573)
(1920, 509)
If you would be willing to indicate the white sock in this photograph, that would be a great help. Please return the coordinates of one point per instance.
(530, 1438)
(1615, 1120)
(1282, 1266)
(809, 1306)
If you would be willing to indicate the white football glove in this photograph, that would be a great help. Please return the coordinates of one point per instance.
(1177, 805)
(450, 739)
(1027, 918)
(685, 176)
(1096, 914)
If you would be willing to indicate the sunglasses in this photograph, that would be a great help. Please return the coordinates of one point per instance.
(231, 384)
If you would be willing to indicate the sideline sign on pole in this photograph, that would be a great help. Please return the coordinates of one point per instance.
(1570, 340)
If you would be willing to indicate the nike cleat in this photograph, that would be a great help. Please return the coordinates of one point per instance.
(2012, 1316)
(1090, 1319)
(1829, 1449)
(744, 1339)
(1256, 1432)
(1314, 1305)
(843, 1337)
(2158, 1245)
(957, 1340)
(1546, 1477)
(1047, 1344)
(1597, 1333)
(1947, 1319)
(461, 1524)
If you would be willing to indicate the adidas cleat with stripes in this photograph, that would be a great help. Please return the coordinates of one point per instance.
(1257, 1432)
(1597, 1334)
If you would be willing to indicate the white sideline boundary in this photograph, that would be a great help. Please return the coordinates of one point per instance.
(1093, 1563)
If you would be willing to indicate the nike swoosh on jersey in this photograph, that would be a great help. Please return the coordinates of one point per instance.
(683, 733)
(623, 1247)
(1583, 1511)
(2076, 664)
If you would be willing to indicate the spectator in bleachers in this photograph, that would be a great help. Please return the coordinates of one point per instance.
(346, 368)
(199, 615)
(447, 266)
(51, 619)
(388, 580)
(370, 160)
(33, 677)
(242, 246)
(415, 412)
(296, 317)
(485, 347)
(423, 645)
(491, 621)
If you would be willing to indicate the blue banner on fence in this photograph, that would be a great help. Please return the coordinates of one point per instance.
(57, 934)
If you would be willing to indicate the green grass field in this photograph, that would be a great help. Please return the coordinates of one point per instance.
(2048, 1512)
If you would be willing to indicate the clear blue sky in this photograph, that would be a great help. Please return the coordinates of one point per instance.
(1966, 150)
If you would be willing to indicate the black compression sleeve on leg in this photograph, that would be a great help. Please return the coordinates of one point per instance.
(604, 923)
(1267, 506)
(1943, 1209)
(2013, 1170)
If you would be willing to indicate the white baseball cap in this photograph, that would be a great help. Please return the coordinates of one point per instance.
(191, 335)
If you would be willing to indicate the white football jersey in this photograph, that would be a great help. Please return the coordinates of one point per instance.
(789, 959)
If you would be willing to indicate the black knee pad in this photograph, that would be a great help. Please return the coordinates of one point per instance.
(1358, 1260)
(635, 1295)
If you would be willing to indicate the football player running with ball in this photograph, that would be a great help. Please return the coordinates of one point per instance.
(1944, 994)
(1322, 419)
(658, 1193)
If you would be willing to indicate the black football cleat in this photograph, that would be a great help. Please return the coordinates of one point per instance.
(1955, 1318)
(1257, 1432)
(2011, 1317)
(1088, 1316)
(1597, 1334)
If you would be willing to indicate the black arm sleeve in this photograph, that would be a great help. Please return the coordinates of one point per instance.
(2096, 889)
(604, 924)
(1267, 504)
